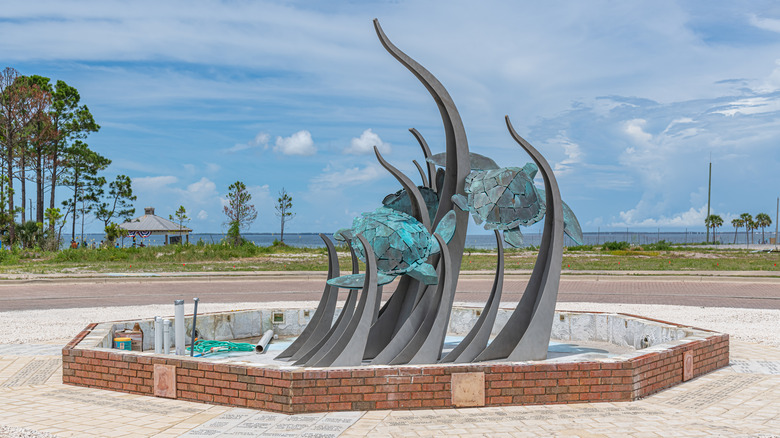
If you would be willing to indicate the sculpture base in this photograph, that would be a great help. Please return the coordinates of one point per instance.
(675, 354)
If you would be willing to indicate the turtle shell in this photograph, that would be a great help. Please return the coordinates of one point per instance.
(400, 242)
(504, 198)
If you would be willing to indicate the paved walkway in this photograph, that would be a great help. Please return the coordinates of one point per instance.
(741, 400)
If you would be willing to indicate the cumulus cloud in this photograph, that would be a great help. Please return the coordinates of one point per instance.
(635, 130)
(365, 144)
(260, 140)
(299, 143)
(200, 192)
(202, 215)
(347, 177)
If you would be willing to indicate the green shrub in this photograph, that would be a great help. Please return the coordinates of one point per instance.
(580, 248)
(661, 245)
(615, 246)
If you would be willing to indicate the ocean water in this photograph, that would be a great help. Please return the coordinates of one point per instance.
(481, 241)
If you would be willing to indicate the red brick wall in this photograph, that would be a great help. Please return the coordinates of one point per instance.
(403, 387)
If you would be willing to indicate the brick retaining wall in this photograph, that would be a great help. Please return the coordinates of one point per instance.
(392, 387)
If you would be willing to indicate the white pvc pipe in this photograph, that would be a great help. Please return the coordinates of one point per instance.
(264, 341)
(158, 335)
(179, 327)
(166, 336)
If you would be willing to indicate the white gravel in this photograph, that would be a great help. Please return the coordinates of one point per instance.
(61, 325)
(17, 432)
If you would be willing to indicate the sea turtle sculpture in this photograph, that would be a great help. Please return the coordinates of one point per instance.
(506, 198)
(399, 201)
(400, 242)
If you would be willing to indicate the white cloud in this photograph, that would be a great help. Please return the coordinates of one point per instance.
(751, 105)
(202, 215)
(571, 150)
(636, 218)
(299, 143)
(347, 177)
(153, 183)
(200, 192)
(365, 144)
(635, 129)
(770, 24)
(260, 140)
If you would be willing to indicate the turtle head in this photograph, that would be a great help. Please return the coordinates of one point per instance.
(343, 235)
(530, 169)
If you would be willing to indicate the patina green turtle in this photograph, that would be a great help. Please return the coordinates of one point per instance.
(506, 198)
(400, 242)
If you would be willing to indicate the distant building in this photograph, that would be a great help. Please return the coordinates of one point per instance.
(149, 224)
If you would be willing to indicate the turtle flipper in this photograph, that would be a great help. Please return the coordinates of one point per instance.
(446, 226)
(424, 273)
(343, 235)
(514, 237)
(461, 202)
(571, 226)
(356, 281)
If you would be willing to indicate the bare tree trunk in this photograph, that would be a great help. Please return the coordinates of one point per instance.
(75, 196)
(82, 222)
(24, 188)
(12, 225)
(53, 186)
(39, 213)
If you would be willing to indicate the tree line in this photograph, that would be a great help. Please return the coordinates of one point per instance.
(746, 220)
(240, 213)
(43, 128)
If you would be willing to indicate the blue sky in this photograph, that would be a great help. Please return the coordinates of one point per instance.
(627, 100)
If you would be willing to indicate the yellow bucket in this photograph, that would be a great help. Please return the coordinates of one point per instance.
(123, 343)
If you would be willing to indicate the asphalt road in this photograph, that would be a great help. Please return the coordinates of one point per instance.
(739, 292)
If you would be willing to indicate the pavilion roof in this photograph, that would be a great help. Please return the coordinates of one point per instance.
(149, 222)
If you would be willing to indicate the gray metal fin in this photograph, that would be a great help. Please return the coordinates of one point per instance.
(427, 153)
(320, 322)
(351, 345)
(425, 182)
(477, 338)
(419, 209)
(526, 334)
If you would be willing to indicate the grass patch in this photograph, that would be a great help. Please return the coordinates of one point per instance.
(202, 257)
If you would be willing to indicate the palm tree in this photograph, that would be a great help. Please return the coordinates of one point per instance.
(713, 221)
(762, 221)
(747, 221)
(737, 222)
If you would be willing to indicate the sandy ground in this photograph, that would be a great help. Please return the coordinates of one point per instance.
(59, 326)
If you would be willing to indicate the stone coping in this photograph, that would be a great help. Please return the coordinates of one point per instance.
(687, 353)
